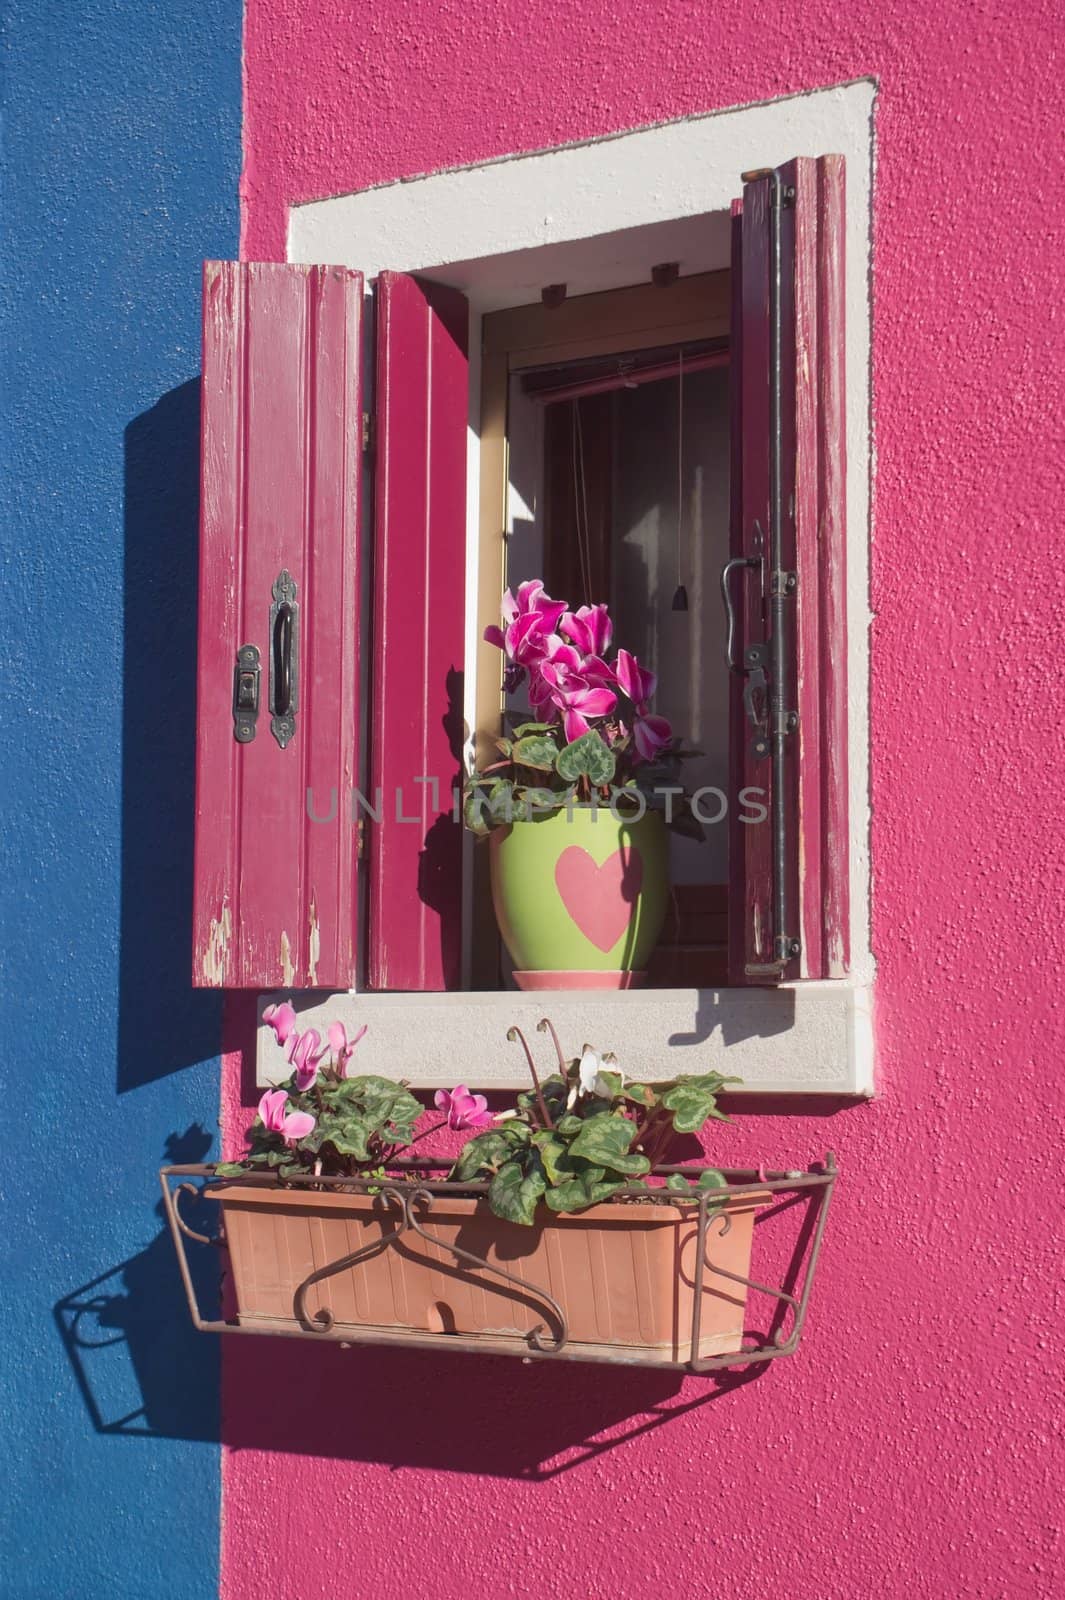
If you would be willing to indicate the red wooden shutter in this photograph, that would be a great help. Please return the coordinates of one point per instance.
(789, 875)
(279, 595)
(415, 854)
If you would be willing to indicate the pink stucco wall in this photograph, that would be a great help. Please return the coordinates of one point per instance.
(904, 1451)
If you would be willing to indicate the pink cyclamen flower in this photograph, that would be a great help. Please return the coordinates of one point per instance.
(529, 622)
(590, 629)
(636, 681)
(306, 1051)
(464, 1110)
(533, 597)
(341, 1046)
(282, 1018)
(650, 734)
(291, 1125)
(563, 680)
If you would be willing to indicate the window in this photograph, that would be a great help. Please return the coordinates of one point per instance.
(751, 1026)
(617, 418)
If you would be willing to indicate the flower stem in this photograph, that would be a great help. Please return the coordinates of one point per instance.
(513, 1034)
(545, 1025)
(434, 1129)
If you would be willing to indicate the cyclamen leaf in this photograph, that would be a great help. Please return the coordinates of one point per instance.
(586, 757)
(532, 801)
(710, 1178)
(570, 1126)
(577, 1194)
(349, 1138)
(691, 1105)
(536, 750)
(639, 1094)
(231, 1169)
(392, 1134)
(473, 815)
(479, 1155)
(605, 1138)
(708, 1080)
(533, 727)
(632, 1166)
(501, 807)
(513, 1194)
(553, 1154)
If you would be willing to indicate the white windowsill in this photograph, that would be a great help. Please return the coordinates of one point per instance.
(807, 1038)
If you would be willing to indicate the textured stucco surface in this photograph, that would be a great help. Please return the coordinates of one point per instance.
(121, 161)
(906, 1450)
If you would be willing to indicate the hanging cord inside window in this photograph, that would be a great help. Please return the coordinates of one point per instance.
(580, 504)
(680, 593)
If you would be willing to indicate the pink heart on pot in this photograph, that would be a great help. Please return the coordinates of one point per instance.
(600, 899)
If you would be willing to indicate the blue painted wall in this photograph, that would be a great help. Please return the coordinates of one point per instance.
(121, 164)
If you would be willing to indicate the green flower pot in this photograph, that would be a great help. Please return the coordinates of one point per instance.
(580, 897)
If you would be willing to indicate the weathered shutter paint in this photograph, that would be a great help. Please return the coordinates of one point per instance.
(275, 892)
(814, 539)
(419, 588)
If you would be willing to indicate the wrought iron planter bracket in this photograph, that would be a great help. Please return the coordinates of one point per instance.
(549, 1340)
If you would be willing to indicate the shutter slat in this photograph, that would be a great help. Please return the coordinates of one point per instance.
(752, 871)
(813, 547)
(803, 459)
(832, 544)
(415, 867)
(280, 493)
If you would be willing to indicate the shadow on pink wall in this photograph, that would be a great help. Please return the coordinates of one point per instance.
(489, 1416)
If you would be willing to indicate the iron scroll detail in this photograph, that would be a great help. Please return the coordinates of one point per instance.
(405, 1203)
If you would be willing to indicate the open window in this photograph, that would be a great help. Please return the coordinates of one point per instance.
(677, 449)
(633, 443)
(615, 483)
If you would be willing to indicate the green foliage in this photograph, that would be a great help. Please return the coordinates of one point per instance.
(358, 1123)
(709, 1178)
(578, 1193)
(516, 1188)
(587, 757)
(574, 1140)
(605, 1138)
(692, 1101)
(536, 750)
(539, 773)
(579, 1137)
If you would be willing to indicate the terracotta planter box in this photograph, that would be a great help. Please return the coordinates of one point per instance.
(623, 1274)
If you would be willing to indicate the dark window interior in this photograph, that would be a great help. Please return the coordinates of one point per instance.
(621, 467)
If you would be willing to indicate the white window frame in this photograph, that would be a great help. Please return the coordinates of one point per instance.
(499, 231)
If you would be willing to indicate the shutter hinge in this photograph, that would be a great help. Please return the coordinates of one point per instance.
(368, 431)
(360, 838)
(783, 583)
(779, 193)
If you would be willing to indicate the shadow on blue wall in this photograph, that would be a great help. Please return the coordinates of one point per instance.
(141, 1368)
(164, 1024)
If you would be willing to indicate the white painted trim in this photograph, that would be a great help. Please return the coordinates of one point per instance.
(498, 228)
(808, 1038)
